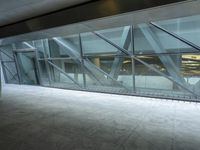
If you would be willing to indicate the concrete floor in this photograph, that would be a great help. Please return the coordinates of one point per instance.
(38, 118)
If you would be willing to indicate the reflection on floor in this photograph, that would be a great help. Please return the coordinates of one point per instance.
(38, 118)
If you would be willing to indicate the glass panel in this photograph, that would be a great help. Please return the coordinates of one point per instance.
(149, 40)
(66, 73)
(183, 69)
(39, 45)
(23, 45)
(10, 72)
(167, 67)
(44, 73)
(6, 53)
(27, 64)
(8, 64)
(114, 73)
(186, 27)
(74, 41)
(64, 47)
(148, 82)
(94, 45)
(120, 36)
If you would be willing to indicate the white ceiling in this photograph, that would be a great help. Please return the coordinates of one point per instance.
(15, 10)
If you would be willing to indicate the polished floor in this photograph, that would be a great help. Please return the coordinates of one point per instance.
(39, 118)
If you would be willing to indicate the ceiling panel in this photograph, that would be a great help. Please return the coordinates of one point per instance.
(15, 10)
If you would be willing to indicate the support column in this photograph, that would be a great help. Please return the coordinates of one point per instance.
(82, 61)
(133, 60)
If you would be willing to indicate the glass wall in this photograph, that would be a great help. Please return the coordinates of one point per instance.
(8, 64)
(156, 59)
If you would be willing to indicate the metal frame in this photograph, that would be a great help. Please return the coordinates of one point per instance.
(2, 51)
(37, 65)
(176, 36)
(4, 72)
(82, 60)
(125, 42)
(45, 45)
(31, 49)
(133, 61)
(166, 60)
(12, 60)
(144, 63)
(96, 72)
(9, 71)
(60, 70)
(109, 76)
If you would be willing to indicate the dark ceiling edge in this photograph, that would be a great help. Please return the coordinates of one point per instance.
(78, 13)
(49, 13)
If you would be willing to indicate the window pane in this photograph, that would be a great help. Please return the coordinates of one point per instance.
(114, 73)
(94, 45)
(150, 40)
(181, 69)
(66, 73)
(186, 27)
(6, 53)
(10, 72)
(44, 72)
(64, 47)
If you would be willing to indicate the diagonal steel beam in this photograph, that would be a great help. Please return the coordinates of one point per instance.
(29, 45)
(13, 76)
(111, 43)
(176, 36)
(82, 61)
(149, 66)
(6, 54)
(60, 70)
(158, 47)
(73, 53)
(109, 76)
(164, 75)
(71, 50)
(37, 69)
(94, 72)
(179, 38)
(118, 61)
